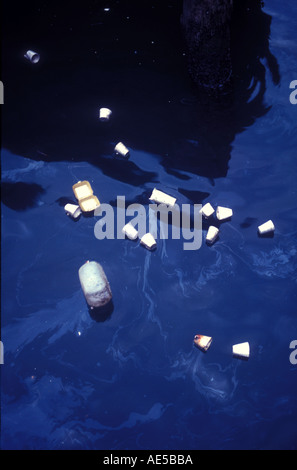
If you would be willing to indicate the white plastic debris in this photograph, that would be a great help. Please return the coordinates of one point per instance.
(73, 210)
(94, 284)
(148, 241)
(203, 342)
(122, 150)
(223, 213)
(268, 227)
(207, 210)
(212, 234)
(104, 114)
(162, 198)
(241, 350)
(130, 231)
(32, 56)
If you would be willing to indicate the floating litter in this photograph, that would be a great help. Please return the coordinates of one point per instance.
(73, 210)
(122, 150)
(162, 198)
(148, 241)
(104, 114)
(207, 210)
(223, 213)
(32, 56)
(202, 342)
(130, 231)
(212, 234)
(241, 350)
(84, 194)
(94, 284)
(268, 227)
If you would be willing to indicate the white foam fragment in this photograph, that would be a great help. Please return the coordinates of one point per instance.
(207, 210)
(223, 213)
(241, 350)
(162, 198)
(73, 210)
(268, 227)
(212, 234)
(148, 241)
(130, 231)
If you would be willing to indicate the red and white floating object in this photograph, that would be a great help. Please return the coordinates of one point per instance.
(162, 198)
(148, 241)
(212, 234)
(104, 114)
(130, 231)
(32, 56)
(241, 350)
(202, 342)
(223, 213)
(268, 227)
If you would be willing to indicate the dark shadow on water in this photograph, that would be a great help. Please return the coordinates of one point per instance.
(137, 68)
(266, 235)
(248, 222)
(101, 314)
(20, 196)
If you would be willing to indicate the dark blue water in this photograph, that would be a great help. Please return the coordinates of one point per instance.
(134, 380)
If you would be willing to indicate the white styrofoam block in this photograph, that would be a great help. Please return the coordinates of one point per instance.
(122, 150)
(268, 227)
(162, 198)
(73, 210)
(148, 241)
(130, 231)
(212, 234)
(241, 350)
(207, 210)
(223, 213)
